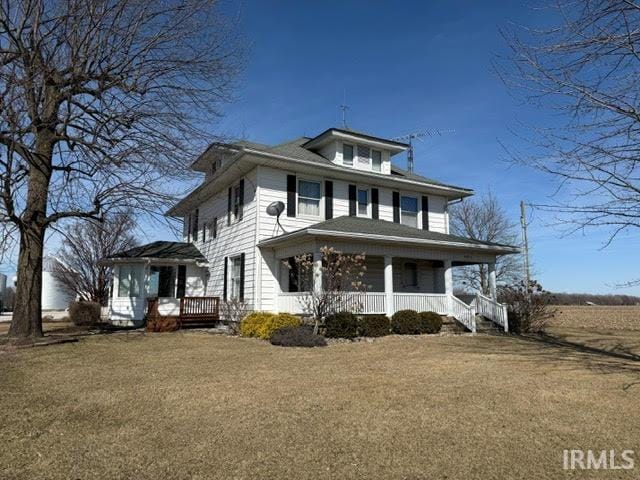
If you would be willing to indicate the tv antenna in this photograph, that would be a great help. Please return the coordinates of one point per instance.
(344, 107)
(410, 137)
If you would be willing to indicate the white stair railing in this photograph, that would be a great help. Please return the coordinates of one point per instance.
(462, 312)
(494, 311)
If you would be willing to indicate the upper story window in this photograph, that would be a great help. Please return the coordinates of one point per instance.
(409, 211)
(309, 198)
(347, 154)
(364, 155)
(363, 203)
(235, 202)
(376, 160)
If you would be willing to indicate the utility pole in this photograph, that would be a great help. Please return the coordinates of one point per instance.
(525, 242)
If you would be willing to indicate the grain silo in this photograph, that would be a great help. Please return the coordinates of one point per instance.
(54, 296)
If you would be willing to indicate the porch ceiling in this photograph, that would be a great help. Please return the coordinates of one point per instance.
(381, 232)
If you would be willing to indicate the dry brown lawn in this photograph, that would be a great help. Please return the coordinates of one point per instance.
(195, 405)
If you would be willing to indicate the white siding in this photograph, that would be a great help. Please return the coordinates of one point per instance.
(273, 187)
(231, 241)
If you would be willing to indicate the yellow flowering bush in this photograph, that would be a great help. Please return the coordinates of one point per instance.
(263, 324)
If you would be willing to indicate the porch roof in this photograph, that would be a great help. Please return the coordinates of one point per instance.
(160, 250)
(382, 231)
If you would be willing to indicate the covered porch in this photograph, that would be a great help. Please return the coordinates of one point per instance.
(402, 272)
(162, 279)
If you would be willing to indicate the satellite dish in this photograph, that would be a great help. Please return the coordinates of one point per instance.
(275, 209)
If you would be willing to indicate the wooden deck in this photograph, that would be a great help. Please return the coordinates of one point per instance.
(193, 310)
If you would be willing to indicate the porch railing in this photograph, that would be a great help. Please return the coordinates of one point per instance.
(422, 302)
(367, 303)
(462, 312)
(494, 311)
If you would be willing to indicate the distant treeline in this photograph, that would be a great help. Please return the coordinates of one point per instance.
(583, 298)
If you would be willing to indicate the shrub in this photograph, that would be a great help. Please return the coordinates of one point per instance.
(341, 325)
(374, 326)
(301, 336)
(529, 309)
(84, 313)
(162, 324)
(263, 324)
(406, 322)
(431, 322)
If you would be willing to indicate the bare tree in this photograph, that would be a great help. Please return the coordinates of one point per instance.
(342, 280)
(484, 219)
(84, 244)
(587, 69)
(100, 102)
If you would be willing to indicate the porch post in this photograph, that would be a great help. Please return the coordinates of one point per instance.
(448, 277)
(388, 284)
(317, 272)
(448, 283)
(277, 270)
(492, 280)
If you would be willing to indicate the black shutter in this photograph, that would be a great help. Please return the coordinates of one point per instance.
(396, 207)
(229, 200)
(189, 229)
(224, 286)
(291, 195)
(293, 275)
(195, 226)
(425, 213)
(241, 207)
(241, 293)
(375, 200)
(352, 200)
(182, 281)
(215, 228)
(328, 200)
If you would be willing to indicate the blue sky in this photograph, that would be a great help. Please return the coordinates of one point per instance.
(409, 66)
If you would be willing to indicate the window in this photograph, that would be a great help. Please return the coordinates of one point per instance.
(129, 280)
(410, 274)
(214, 229)
(363, 203)
(409, 211)
(236, 267)
(347, 154)
(364, 154)
(309, 198)
(237, 200)
(162, 281)
(376, 160)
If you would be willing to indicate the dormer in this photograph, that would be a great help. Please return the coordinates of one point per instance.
(356, 150)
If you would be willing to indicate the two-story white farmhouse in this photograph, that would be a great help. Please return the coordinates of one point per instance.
(337, 189)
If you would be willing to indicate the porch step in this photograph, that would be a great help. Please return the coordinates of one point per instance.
(484, 325)
(451, 326)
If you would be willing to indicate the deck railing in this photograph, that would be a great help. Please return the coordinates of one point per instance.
(494, 311)
(196, 308)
